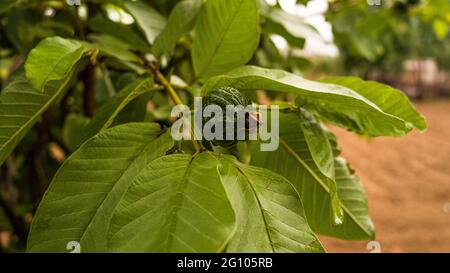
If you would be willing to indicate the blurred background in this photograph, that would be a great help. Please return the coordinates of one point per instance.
(403, 43)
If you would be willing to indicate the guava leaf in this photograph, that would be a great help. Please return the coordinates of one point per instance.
(269, 212)
(150, 21)
(390, 100)
(21, 106)
(342, 105)
(226, 36)
(181, 20)
(81, 199)
(176, 204)
(320, 195)
(53, 59)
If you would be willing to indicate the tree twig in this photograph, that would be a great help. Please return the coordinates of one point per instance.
(160, 77)
(88, 78)
(177, 100)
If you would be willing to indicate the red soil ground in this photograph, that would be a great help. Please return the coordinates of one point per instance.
(407, 181)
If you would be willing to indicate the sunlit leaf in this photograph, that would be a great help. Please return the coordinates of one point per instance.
(181, 20)
(339, 104)
(53, 59)
(390, 100)
(148, 19)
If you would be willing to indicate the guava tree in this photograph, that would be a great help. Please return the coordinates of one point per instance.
(99, 80)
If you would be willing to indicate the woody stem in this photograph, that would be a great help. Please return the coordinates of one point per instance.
(177, 100)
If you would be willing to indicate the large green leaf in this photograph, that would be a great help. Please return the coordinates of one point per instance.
(390, 100)
(269, 213)
(81, 198)
(351, 109)
(226, 35)
(293, 160)
(53, 59)
(21, 105)
(176, 204)
(303, 138)
(110, 109)
(181, 20)
(147, 18)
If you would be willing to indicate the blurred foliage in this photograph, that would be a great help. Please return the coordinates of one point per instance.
(381, 37)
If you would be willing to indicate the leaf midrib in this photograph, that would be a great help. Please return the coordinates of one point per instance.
(312, 173)
(172, 219)
(115, 185)
(125, 102)
(38, 113)
(222, 36)
(358, 97)
(261, 209)
(57, 63)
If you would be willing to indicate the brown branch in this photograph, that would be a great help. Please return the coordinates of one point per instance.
(88, 75)
(88, 78)
(64, 105)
